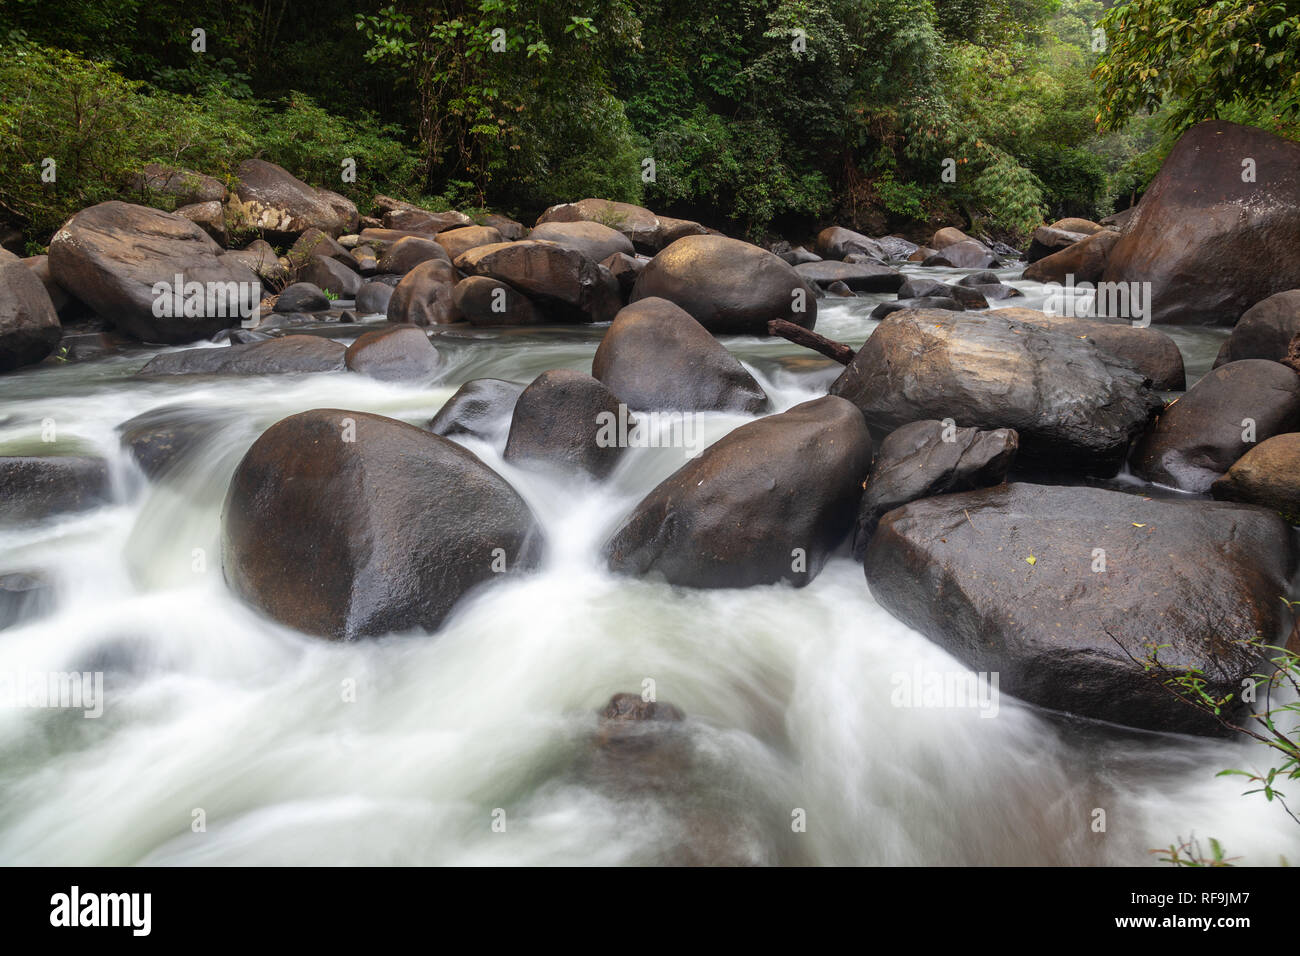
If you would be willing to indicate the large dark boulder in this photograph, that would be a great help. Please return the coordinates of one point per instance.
(330, 275)
(1085, 260)
(1048, 240)
(485, 302)
(113, 255)
(1210, 243)
(730, 287)
(162, 437)
(1266, 329)
(1154, 354)
(970, 254)
(42, 486)
(565, 285)
(426, 295)
(373, 298)
(29, 325)
(929, 458)
(1197, 438)
(1074, 406)
(302, 297)
(481, 408)
(400, 353)
(562, 422)
(1267, 475)
(288, 355)
(280, 206)
(345, 525)
(593, 240)
(768, 502)
(1062, 591)
(655, 356)
(858, 276)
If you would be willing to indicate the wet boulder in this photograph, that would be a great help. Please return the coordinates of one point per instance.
(924, 302)
(29, 325)
(1084, 260)
(655, 356)
(1267, 475)
(24, 596)
(1198, 438)
(1061, 591)
(1266, 329)
(486, 302)
(565, 285)
(161, 437)
(340, 524)
(123, 260)
(426, 295)
(280, 206)
(1210, 243)
(1151, 352)
(768, 502)
(860, 277)
(968, 254)
(1074, 406)
(482, 408)
(928, 458)
(44, 486)
(401, 353)
(730, 287)
(566, 421)
(288, 355)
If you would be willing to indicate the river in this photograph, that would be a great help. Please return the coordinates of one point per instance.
(229, 739)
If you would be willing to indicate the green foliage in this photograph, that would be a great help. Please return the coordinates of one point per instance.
(100, 129)
(1201, 58)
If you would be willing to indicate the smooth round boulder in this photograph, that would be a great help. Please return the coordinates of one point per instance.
(1084, 260)
(272, 200)
(1047, 240)
(835, 242)
(768, 502)
(1220, 418)
(562, 422)
(408, 252)
(302, 297)
(564, 285)
(730, 287)
(340, 524)
(481, 408)
(29, 325)
(123, 260)
(330, 275)
(656, 356)
(639, 225)
(465, 238)
(1062, 592)
(399, 354)
(162, 437)
(1265, 330)
(373, 297)
(425, 296)
(1268, 475)
(486, 302)
(595, 241)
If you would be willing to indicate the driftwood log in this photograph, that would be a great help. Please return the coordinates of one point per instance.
(810, 339)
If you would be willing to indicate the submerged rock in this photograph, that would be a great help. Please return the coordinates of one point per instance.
(43, 486)
(480, 407)
(292, 353)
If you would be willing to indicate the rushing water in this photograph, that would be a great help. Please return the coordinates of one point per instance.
(210, 707)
